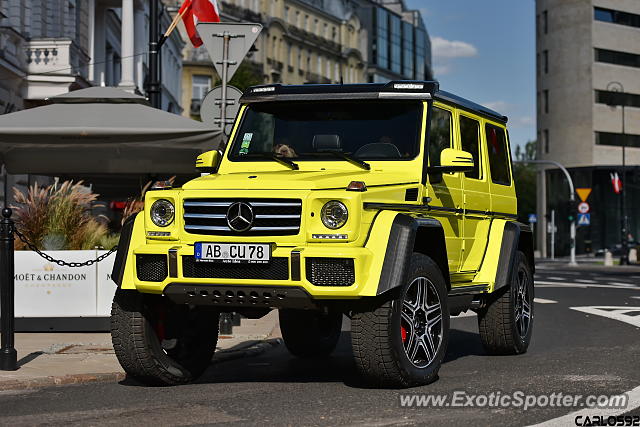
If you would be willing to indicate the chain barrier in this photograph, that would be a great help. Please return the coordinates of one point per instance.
(60, 262)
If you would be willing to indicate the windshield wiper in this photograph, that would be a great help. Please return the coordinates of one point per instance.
(282, 160)
(360, 163)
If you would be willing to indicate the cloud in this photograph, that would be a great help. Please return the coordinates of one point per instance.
(525, 121)
(441, 69)
(443, 48)
(499, 106)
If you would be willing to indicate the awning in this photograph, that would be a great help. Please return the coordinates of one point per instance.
(102, 130)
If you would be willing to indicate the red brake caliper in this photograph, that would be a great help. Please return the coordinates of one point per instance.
(160, 333)
(403, 333)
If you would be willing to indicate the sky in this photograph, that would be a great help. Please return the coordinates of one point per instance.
(485, 51)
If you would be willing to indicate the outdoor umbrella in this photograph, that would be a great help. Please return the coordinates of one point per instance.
(102, 130)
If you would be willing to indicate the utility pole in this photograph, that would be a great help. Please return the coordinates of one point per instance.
(572, 199)
(619, 90)
(153, 85)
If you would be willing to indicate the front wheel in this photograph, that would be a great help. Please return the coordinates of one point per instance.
(161, 343)
(506, 323)
(401, 340)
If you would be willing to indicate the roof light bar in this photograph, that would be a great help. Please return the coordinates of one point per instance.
(409, 86)
(263, 89)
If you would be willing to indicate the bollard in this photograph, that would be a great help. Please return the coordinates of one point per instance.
(633, 256)
(226, 324)
(8, 354)
(608, 258)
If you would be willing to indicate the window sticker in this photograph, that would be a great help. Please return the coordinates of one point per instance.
(246, 142)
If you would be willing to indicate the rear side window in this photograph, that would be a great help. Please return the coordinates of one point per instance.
(470, 139)
(498, 156)
(440, 134)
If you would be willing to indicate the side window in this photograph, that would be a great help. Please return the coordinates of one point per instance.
(440, 135)
(470, 139)
(498, 156)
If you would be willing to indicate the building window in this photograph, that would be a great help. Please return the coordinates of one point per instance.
(306, 22)
(545, 22)
(470, 141)
(617, 139)
(545, 101)
(309, 61)
(618, 58)
(616, 17)
(545, 60)
(422, 48)
(315, 26)
(408, 47)
(396, 44)
(298, 23)
(328, 74)
(546, 141)
(289, 55)
(440, 136)
(200, 85)
(334, 33)
(617, 98)
(382, 38)
(337, 72)
(325, 31)
(319, 66)
(299, 59)
(498, 155)
(286, 13)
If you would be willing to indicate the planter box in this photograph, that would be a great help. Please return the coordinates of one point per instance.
(47, 294)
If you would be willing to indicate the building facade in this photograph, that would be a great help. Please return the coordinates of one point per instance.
(399, 46)
(588, 63)
(48, 48)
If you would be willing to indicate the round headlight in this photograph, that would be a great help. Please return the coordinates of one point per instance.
(162, 212)
(334, 214)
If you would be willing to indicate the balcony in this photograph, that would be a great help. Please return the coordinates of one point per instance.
(58, 57)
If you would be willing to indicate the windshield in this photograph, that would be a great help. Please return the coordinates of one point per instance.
(372, 130)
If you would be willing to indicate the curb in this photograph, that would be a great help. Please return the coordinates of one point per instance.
(254, 348)
(32, 383)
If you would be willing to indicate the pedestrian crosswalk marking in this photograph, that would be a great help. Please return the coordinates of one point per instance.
(630, 315)
(544, 301)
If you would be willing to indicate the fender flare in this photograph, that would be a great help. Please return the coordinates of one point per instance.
(117, 274)
(408, 235)
(516, 237)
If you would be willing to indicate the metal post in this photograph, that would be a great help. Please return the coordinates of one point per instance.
(624, 257)
(226, 38)
(8, 354)
(572, 199)
(153, 86)
(553, 234)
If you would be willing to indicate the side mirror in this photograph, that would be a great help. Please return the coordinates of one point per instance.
(452, 160)
(208, 162)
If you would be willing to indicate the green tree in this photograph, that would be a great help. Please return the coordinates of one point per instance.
(247, 75)
(524, 175)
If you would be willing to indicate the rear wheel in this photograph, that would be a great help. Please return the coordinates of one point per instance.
(401, 340)
(310, 333)
(161, 343)
(506, 324)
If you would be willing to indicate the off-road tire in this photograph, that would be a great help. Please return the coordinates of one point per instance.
(134, 333)
(309, 333)
(377, 337)
(499, 331)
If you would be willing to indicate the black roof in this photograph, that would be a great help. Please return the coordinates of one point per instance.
(402, 89)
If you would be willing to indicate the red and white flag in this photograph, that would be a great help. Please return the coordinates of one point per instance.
(616, 182)
(194, 11)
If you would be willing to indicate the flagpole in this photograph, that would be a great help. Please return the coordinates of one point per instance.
(172, 27)
(153, 89)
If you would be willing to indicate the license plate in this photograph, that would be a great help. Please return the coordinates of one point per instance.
(233, 253)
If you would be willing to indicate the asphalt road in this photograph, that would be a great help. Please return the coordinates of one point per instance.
(586, 341)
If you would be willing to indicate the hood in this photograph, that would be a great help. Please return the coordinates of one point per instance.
(295, 180)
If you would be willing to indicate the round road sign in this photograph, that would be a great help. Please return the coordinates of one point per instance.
(584, 207)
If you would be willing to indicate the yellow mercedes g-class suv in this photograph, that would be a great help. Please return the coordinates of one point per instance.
(393, 204)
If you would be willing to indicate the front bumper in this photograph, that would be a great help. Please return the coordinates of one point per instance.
(158, 268)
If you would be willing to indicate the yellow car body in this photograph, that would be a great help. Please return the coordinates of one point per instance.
(467, 225)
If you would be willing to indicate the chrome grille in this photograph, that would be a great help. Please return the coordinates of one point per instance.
(272, 217)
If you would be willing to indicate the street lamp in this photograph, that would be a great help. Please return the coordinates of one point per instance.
(618, 89)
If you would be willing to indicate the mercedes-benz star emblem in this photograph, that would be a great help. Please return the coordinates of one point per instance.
(240, 216)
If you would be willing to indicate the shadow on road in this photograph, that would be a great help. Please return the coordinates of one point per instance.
(277, 365)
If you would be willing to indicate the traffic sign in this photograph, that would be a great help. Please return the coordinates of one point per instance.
(533, 218)
(584, 219)
(584, 207)
(583, 193)
(240, 39)
(211, 108)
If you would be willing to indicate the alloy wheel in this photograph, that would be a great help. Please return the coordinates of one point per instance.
(523, 304)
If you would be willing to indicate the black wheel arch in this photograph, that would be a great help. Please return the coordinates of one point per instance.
(123, 250)
(409, 235)
(516, 237)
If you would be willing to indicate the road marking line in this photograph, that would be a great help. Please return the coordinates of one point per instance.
(544, 301)
(556, 278)
(546, 284)
(569, 419)
(621, 284)
(616, 313)
(586, 281)
(636, 297)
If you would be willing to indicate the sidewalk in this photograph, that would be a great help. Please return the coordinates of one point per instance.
(48, 359)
